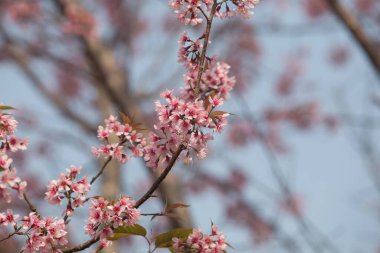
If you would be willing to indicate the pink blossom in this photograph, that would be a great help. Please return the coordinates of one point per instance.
(8, 218)
(44, 234)
(105, 243)
(126, 136)
(105, 216)
(237, 7)
(5, 161)
(15, 144)
(9, 143)
(215, 80)
(9, 179)
(199, 242)
(189, 11)
(69, 187)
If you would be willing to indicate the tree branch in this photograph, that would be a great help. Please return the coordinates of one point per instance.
(30, 205)
(139, 202)
(101, 170)
(82, 246)
(356, 30)
(201, 66)
(161, 178)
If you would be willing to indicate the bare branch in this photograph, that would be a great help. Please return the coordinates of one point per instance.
(30, 205)
(356, 30)
(161, 178)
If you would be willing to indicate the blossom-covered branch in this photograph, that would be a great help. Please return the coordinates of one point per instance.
(186, 122)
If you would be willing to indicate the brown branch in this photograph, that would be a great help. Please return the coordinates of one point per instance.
(113, 83)
(139, 202)
(356, 30)
(10, 235)
(30, 205)
(201, 67)
(161, 178)
(82, 246)
(101, 170)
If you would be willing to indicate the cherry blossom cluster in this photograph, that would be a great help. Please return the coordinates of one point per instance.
(236, 7)
(104, 216)
(214, 80)
(191, 11)
(190, 50)
(181, 122)
(9, 180)
(198, 242)
(43, 235)
(8, 218)
(126, 137)
(9, 144)
(69, 187)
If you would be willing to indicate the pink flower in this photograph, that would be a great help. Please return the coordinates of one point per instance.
(44, 234)
(68, 187)
(214, 79)
(199, 242)
(8, 218)
(5, 161)
(105, 243)
(103, 216)
(189, 11)
(127, 137)
(15, 144)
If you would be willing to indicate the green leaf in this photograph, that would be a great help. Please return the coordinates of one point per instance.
(5, 107)
(127, 231)
(2, 127)
(165, 240)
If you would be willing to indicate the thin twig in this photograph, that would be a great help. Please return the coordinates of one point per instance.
(10, 235)
(101, 170)
(106, 163)
(152, 214)
(30, 205)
